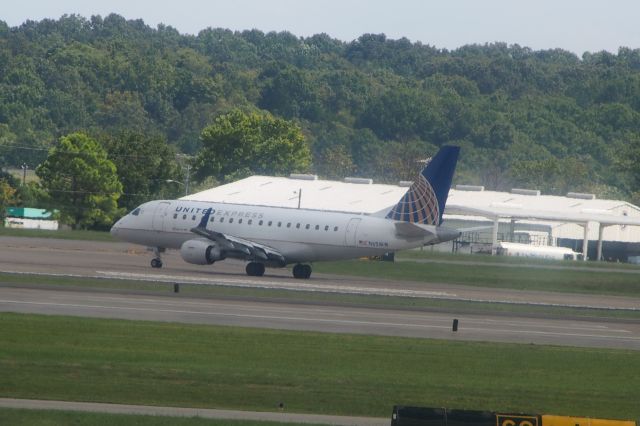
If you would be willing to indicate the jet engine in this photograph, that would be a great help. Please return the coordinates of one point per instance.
(201, 252)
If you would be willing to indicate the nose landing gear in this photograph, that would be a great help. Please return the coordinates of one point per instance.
(156, 262)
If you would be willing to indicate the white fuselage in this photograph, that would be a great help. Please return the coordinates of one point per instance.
(299, 235)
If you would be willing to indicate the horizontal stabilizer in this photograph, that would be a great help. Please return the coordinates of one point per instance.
(411, 230)
(476, 228)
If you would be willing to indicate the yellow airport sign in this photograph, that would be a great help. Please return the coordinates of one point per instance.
(582, 421)
(516, 420)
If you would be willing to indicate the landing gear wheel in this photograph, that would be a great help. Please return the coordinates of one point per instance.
(255, 269)
(156, 262)
(302, 271)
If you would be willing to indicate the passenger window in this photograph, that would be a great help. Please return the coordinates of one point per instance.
(317, 227)
(213, 219)
(326, 228)
(250, 221)
(289, 225)
(175, 215)
(269, 224)
(306, 227)
(184, 216)
(221, 219)
(335, 229)
(279, 224)
(297, 225)
(260, 223)
(231, 220)
(193, 217)
(240, 220)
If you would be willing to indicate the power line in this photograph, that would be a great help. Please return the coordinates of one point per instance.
(31, 148)
(97, 192)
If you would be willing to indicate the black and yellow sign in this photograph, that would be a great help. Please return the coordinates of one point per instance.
(548, 420)
(516, 420)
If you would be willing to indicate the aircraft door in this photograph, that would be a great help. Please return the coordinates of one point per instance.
(350, 233)
(159, 215)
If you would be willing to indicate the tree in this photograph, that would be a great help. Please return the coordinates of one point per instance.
(256, 142)
(82, 182)
(7, 197)
(335, 163)
(290, 93)
(144, 164)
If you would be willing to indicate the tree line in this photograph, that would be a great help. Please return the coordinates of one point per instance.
(543, 119)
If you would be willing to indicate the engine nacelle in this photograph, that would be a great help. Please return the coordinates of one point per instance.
(200, 252)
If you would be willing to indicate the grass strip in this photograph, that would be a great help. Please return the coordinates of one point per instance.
(23, 417)
(495, 276)
(417, 254)
(390, 302)
(136, 362)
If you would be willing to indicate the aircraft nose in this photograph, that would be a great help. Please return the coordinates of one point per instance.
(115, 229)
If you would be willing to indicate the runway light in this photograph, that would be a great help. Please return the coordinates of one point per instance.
(455, 324)
(176, 288)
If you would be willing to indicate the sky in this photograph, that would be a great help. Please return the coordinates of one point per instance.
(574, 25)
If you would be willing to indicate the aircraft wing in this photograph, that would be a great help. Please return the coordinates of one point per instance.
(238, 247)
(553, 216)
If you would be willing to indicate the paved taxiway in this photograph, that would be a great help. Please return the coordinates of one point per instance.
(334, 319)
(113, 259)
(149, 410)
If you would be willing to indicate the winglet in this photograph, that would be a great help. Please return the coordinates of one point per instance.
(424, 202)
(205, 219)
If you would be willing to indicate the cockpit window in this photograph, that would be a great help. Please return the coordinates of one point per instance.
(136, 212)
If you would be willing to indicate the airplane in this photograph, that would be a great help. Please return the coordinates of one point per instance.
(264, 236)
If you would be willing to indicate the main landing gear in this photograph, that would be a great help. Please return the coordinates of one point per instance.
(156, 262)
(302, 271)
(255, 269)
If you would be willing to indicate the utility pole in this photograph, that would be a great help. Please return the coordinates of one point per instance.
(24, 168)
(186, 180)
(184, 162)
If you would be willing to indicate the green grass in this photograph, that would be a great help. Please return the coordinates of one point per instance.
(78, 359)
(195, 290)
(559, 280)
(60, 234)
(22, 417)
(427, 254)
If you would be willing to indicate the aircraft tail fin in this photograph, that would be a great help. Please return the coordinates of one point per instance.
(425, 200)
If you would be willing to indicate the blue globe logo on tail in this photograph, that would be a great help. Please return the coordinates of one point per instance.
(425, 200)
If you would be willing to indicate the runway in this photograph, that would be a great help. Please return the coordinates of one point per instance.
(89, 258)
(331, 319)
(126, 261)
(206, 413)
